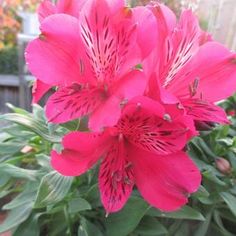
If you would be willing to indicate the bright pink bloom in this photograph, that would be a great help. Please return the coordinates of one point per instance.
(47, 8)
(144, 149)
(91, 59)
(70, 7)
(187, 67)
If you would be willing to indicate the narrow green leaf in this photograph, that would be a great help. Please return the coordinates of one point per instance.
(17, 172)
(10, 148)
(208, 174)
(203, 226)
(53, 188)
(17, 109)
(126, 220)
(27, 196)
(218, 220)
(32, 124)
(29, 228)
(16, 217)
(185, 212)
(230, 200)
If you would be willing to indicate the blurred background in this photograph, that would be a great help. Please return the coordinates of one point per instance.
(18, 25)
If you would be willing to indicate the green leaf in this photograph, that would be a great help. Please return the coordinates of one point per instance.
(16, 217)
(72, 125)
(225, 142)
(17, 172)
(183, 229)
(93, 196)
(27, 196)
(78, 204)
(29, 228)
(185, 212)
(230, 200)
(201, 193)
(150, 226)
(203, 226)
(17, 109)
(88, 229)
(126, 220)
(44, 161)
(10, 148)
(218, 220)
(208, 174)
(32, 124)
(53, 188)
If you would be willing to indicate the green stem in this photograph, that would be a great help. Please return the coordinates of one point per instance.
(68, 221)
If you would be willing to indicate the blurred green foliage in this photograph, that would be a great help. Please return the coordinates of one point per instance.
(8, 60)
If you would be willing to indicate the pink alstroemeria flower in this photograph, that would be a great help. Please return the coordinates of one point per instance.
(91, 60)
(143, 149)
(187, 67)
(47, 8)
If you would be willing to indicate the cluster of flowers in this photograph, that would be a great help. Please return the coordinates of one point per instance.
(145, 80)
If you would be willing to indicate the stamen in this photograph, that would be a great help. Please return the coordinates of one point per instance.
(193, 87)
(81, 65)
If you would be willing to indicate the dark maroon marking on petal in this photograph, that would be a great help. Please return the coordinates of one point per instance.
(151, 133)
(75, 100)
(87, 21)
(115, 179)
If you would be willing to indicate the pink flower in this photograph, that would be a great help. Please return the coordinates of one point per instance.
(47, 8)
(143, 149)
(91, 59)
(187, 67)
(70, 7)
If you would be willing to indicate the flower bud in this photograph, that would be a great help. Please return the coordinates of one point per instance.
(223, 165)
(26, 149)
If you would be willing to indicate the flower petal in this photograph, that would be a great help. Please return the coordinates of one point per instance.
(131, 85)
(205, 111)
(72, 102)
(115, 178)
(70, 7)
(150, 131)
(39, 89)
(218, 70)
(109, 35)
(45, 9)
(166, 18)
(179, 47)
(107, 114)
(165, 182)
(146, 33)
(81, 151)
(58, 55)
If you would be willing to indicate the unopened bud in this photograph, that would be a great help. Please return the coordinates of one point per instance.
(26, 149)
(223, 165)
